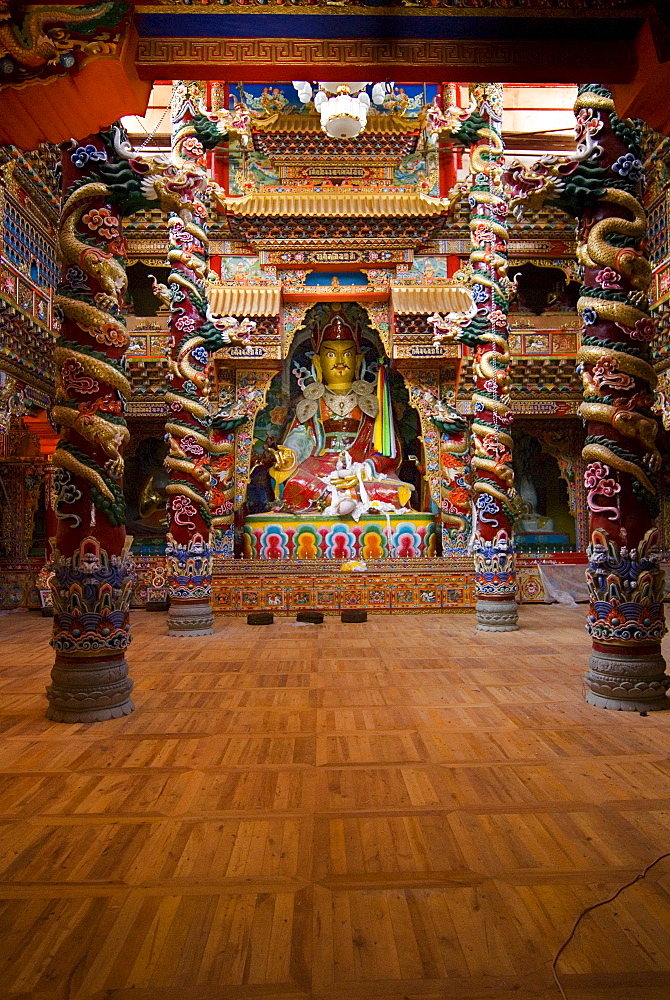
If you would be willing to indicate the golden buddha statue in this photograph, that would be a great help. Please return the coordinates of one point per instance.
(336, 457)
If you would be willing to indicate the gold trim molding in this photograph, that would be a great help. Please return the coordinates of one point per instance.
(443, 8)
(277, 52)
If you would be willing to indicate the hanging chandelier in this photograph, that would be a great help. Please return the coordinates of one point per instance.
(344, 114)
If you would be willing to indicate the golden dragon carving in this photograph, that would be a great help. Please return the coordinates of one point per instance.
(101, 325)
(33, 43)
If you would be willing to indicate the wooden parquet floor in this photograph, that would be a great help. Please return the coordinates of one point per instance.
(401, 809)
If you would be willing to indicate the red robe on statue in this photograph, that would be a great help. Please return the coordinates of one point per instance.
(319, 443)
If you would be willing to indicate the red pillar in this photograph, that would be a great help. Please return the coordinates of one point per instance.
(189, 540)
(92, 579)
(602, 185)
(493, 534)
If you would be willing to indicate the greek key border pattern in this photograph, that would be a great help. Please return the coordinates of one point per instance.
(294, 51)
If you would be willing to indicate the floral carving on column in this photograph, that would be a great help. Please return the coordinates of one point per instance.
(602, 185)
(188, 542)
(252, 389)
(230, 416)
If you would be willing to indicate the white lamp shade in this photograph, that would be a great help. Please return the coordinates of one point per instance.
(333, 86)
(304, 89)
(378, 93)
(343, 117)
(380, 90)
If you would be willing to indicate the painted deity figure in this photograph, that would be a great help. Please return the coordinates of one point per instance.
(332, 459)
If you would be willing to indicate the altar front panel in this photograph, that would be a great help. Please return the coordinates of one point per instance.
(397, 536)
(386, 586)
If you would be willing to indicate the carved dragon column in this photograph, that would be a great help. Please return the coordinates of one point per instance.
(602, 185)
(194, 483)
(92, 579)
(189, 542)
(626, 620)
(487, 332)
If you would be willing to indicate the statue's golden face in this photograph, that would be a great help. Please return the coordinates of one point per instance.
(339, 362)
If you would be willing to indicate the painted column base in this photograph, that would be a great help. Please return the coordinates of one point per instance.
(627, 683)
(84, 690)
(497, 616)
(189, 619)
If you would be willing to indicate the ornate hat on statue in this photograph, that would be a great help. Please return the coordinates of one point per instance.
(336, 328)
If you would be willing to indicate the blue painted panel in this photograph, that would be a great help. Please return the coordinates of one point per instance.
(381, 26)
(326, 278)
(281, 96)
(304, 26)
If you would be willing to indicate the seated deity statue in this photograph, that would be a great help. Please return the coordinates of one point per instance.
(336, 457)
(530, 521)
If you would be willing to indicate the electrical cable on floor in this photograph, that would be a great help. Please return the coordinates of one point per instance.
(594, 906)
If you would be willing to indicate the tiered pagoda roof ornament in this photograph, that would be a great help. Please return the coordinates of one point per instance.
(336, 200)
(359, 226)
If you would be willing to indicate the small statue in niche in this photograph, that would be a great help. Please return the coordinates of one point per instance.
(144, 483)
(340, 455)
(526, 451)
(151, 517)
(152, 501)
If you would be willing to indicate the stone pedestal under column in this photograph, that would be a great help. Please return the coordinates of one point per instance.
(623, 681)
(89, 690)
(189, 619)
(497, 616)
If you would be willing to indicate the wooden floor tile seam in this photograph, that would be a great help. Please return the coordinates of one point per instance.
(463, 730)
(456, 674)
(492, 762)
(386, 882)
(370, 765)
(317, 673)
(494, 809)
(218, 886)
(533, 985)
(375, 882)
(427, 680)
(437, 702)
(355, 811)
(104, 818)
(467, 668)
(91, 733)
(241, 710)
